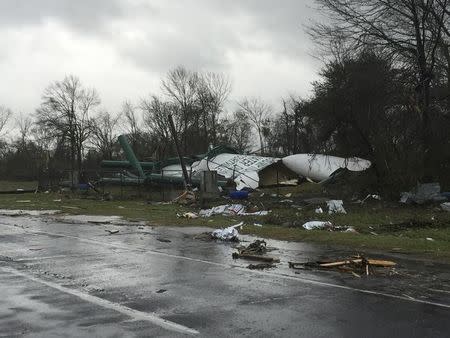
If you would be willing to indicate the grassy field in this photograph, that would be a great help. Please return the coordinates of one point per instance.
(13, 185)
(380, 225)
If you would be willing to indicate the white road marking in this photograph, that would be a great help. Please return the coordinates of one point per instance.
(134, 314)
(240, 268)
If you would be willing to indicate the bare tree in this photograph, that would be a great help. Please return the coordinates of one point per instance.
(5, 115)
(258, 113)
(181, 87)
(65, 114)
(213, 91)
(24, 124)
(238, 132)
(130, 115)
(104, 133)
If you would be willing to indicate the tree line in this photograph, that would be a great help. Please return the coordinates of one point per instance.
(383, 94)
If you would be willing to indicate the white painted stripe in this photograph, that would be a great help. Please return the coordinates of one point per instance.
(240, 268)
(134, 314)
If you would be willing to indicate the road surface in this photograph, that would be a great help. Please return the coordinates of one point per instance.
(70, 277)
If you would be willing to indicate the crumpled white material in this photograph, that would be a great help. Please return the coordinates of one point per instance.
(336, 207)
(317, 225)
(230, 210)
(226, 210)
(227, 234)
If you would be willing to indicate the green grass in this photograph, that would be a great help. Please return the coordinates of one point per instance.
(13, 185)
(383, 219)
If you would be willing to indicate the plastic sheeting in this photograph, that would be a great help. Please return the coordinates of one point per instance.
(230, 210)
(227, 234)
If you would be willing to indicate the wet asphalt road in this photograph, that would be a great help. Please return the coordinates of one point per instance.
(76, 280)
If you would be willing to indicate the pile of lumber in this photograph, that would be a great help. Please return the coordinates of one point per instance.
(357, 265)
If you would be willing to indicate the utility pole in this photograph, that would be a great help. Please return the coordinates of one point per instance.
(187, 182)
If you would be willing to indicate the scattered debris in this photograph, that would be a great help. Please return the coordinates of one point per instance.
(226, 210)
(258, 225)
(288, 195)
(186, 197)
(255, 251)
(423, 193)
(58, 200)
(112, 232)
(164, 240)
(23, 201)
(321, 225)
(430, 239)
(358, 265)
(258, 247)
(446, 206)
(319, 211)
(317, 225)
(336, 207)
(188, 215)
(375, 197)
(260, 266)
(228, 234)
(231, 210)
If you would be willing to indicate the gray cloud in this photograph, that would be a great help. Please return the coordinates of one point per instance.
(83, 15)
(104, 41)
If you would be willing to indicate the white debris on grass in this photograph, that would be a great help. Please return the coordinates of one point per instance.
(445, 206)
(317, 225)
(230, 210)
(227, 234)
(336, 207)
(319, 211)
(321, 225)
(256, 213)
(375, 197)
(189, 215)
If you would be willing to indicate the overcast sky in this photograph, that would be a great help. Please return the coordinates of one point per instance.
(124, 47)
